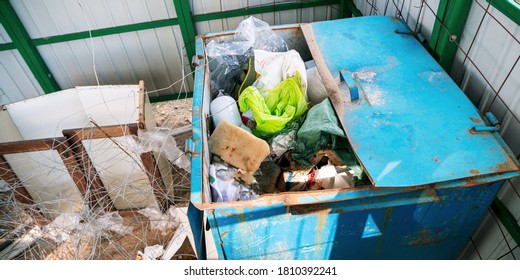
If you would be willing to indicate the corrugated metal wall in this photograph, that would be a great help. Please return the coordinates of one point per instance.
(153, 55)
(200, 7)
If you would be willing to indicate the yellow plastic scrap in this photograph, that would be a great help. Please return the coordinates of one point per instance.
(282, 104)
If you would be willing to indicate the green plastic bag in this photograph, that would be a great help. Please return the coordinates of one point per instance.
(282, 104)
(320, 131)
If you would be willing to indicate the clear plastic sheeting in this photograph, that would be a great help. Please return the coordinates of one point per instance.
(161, 141)
(227, 58)
(159, 220)
(259, 35)
(110, 222)
(152, 252)
(61, 229)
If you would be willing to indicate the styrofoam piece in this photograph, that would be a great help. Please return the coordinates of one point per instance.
(121, 171)
(47, 180)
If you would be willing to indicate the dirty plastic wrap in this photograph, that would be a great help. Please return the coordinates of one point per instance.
(227, 58)
(283, 104)
(161, 141)
(320, 131)
(224, 186)
(282, 142)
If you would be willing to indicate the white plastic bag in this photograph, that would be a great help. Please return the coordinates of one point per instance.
(274, 67)
(160, 140)
(316, 89)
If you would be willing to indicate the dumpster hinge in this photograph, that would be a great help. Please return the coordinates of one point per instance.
(494, 124)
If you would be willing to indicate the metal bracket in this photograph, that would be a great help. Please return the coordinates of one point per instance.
(350, 81)
(189, 147)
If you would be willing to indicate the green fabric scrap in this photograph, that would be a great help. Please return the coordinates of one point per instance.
(321, 130)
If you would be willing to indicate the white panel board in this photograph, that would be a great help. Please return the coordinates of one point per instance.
(9, 131)
(47, 180)
(47, 116)
(110, 105)
(121, 171)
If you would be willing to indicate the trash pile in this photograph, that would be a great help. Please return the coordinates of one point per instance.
(275, 129)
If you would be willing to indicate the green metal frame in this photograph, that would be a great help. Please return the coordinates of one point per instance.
(265, 9)
(185, 20)
(182, 8)
(22, 42)
(348, 9)
(507, 219)
(510, 8)
(444, 40)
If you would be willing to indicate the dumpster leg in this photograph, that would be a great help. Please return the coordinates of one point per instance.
(196, 218)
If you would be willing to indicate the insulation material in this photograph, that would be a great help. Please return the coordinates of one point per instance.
(47, 180)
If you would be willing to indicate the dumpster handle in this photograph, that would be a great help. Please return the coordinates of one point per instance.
(367, 203)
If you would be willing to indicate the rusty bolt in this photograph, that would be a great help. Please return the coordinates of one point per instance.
(453, 38)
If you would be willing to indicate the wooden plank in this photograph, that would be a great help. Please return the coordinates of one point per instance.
(101, 131)
(31, 145)
(142, 93)
(73, 168)
(154, 174)
(98, 194)
(7, 174)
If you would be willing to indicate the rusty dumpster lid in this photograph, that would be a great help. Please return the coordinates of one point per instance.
(411, 124)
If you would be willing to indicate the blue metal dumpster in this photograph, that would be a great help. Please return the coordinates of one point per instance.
(434, 162)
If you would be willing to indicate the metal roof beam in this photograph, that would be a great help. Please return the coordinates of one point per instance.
(29, 53)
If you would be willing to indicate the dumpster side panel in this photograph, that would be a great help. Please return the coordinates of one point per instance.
(432, 230)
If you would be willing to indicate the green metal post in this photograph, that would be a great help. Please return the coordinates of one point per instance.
(22, 41)
(182, 8)
(507, 219)
(345, 12)
(443, 42)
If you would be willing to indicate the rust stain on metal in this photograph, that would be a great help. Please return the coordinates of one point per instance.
(425, 237)
(474, 171)
(227, 213)
(475, 120)
(504, 167)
